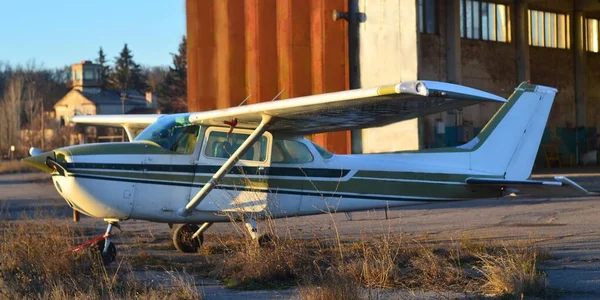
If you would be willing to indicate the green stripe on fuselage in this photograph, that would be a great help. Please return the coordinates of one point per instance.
(443, 185)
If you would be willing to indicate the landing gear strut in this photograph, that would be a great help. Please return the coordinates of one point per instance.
(188, 238)
(106, 247)
(264, 239)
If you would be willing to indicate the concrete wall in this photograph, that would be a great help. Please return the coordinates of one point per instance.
(388, 55)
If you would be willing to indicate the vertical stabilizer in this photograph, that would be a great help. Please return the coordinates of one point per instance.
(509, 143)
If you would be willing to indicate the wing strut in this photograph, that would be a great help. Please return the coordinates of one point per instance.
(130, 132)
(227, 166)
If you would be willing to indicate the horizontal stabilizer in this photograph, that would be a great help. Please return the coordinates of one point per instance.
(563, 186)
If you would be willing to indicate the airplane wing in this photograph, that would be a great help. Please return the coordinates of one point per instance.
(132, 124)
(133, 121)
(563, 186)
(359, 108)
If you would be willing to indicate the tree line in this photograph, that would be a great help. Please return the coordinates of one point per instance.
(28, 92)
(168, 83)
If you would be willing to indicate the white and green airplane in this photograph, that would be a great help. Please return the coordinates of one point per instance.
(248, 162)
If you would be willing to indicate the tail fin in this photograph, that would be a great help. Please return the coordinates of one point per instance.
(509, 143)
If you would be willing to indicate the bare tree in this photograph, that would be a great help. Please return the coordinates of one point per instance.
(10, 123)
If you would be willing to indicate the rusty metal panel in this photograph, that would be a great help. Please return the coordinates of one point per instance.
(330, 62)
(294, 48)
(201, 58)
(231, 59)
(260, 47)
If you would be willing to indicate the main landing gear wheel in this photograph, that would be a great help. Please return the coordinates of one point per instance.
(183, 238)
(266, 240)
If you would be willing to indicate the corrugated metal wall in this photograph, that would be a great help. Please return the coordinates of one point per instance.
(238, 48)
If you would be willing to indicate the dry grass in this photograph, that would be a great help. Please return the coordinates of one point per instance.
(333, 269)
(334, 287)
(15, 166)
(35, 264)
(513, 271)
(255, 267)
(378, 263)
(435, 269)
(315, 266)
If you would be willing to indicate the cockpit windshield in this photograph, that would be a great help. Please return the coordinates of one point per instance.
(174, 133)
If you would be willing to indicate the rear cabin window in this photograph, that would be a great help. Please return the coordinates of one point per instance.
(290, 152)
(221, 146)
(324, 153)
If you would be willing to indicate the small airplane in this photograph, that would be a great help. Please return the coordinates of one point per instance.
(248, 162)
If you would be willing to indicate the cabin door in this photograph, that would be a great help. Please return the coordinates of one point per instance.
(168, 174)
(245, 188)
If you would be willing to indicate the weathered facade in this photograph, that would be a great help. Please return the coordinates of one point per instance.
(258, 48)
(88, 98)
(498, 67)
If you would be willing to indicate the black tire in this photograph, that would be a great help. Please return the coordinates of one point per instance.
(267, 240)
(110, 255)
(182, 238)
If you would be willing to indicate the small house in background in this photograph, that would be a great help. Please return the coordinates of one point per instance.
(89, 98)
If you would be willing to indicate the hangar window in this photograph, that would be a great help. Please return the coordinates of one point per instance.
(484, 20)
(427, 16)
(591, 35)
(547, 29)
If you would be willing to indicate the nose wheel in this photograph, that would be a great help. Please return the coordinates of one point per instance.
(110, 254)
(102, 245)
(107, 249)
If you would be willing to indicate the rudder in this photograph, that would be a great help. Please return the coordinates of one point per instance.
(509, 143)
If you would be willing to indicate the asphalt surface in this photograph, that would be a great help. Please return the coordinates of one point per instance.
(568, 227)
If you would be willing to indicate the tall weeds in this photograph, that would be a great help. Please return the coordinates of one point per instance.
(35, 263)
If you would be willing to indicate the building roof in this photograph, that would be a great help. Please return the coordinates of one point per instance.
(103, 97)
(142, 110)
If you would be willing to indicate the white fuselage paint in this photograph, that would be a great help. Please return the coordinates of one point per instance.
(119, 198)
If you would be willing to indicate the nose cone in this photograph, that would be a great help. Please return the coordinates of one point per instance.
(39, 161)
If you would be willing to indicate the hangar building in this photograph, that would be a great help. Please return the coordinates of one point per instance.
(259, 48)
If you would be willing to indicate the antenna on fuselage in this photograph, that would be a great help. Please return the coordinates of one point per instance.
(244, 101)
(277, 96)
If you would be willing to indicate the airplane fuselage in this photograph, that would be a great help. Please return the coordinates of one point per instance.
(143, 181)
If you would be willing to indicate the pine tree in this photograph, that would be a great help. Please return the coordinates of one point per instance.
(127, 74)
(101, 60)
(172, 92)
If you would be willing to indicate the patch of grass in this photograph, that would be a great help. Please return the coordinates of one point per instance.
(328, 268)
(379, 263)
(435, 269)
(254, 267)
(334, 287)
(35, 263)
(513, 272)
(148, 261)
(15, 166)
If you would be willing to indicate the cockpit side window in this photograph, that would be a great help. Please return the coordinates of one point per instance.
(290, 152)
(222, 145)
(174, 133)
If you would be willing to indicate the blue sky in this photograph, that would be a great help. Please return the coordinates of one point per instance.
(59, 33)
